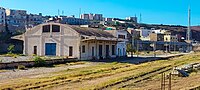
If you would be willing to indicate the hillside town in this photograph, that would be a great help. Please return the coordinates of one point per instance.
(94, 52)
(124, 34)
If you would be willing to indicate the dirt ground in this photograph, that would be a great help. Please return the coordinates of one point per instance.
(102, 76)
(180, 83)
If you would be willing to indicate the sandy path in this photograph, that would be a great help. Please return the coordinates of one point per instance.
(4, 76)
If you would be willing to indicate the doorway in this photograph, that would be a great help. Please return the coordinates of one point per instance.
(50, 49)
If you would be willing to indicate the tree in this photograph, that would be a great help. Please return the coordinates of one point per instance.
(130, 49)
(11, 48)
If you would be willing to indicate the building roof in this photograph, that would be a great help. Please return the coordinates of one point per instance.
(92, 32)
(85, 31)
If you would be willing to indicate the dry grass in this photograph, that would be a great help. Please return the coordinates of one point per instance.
(2, 71)
(100, 76)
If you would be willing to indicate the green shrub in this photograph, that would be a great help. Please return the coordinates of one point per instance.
(39, 62)
(11, 48)
(21, 67)
(1, 60)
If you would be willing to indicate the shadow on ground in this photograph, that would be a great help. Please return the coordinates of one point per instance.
(131, 60)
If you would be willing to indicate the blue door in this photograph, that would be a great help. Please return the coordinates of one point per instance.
(50, 49)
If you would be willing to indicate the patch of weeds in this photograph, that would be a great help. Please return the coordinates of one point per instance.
(39, 62)
(1, 60)
(114, 62)
(21, 67)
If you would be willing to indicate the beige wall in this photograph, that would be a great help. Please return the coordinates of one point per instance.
(170, 38)
(63, 39)
(88, 49)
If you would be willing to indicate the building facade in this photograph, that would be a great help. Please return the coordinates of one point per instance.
(85, 16)
(16, 17)
(34, 19)
(98, 17)
(122, 38)
(2, 15)
(144, 33)
(55, 39)
(73, 20)
(156, 37)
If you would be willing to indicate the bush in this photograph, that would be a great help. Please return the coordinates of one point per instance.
(11, 48)
(1, 60)
(21, 67)
(39, 62)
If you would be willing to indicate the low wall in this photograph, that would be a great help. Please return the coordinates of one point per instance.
(32, 63)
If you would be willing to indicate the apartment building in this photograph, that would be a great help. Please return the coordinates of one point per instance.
(73, 21)
(108, 19)
(156, 37)
(34, 19)
(144, 33)
(96, 17)
(16, 17)
(2, 15)
(168, 37)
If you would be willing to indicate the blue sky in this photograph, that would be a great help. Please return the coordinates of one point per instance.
(153, 11)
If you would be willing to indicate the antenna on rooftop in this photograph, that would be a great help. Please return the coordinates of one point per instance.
(79, 16)
(58, 12)
(140, 18)
(80, 12)
(63, 13)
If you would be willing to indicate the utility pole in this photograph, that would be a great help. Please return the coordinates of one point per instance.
(154, 48)
(189, 37)
(189, 24)
(133, 44)
(137, 48)
(79, 16)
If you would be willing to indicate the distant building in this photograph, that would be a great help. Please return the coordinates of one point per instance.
(73, 20)
(133, 19)
(156, 37)
(168, 37)
(69, 20)
(108, 19)
(91, 17)
(2, 15)
(161, 31)
(34, 19)
(16, 17)
(55, 39)
(144, 33)
(98, 17)
(85, 16)
(122, 38)
(133, 36)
